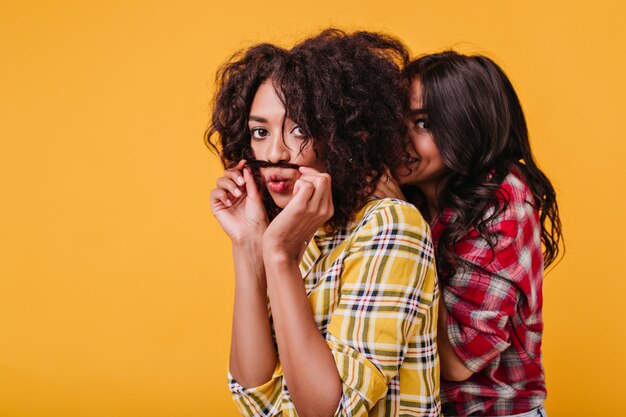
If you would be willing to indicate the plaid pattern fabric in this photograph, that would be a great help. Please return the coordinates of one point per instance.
(495, 302)
(374, 295)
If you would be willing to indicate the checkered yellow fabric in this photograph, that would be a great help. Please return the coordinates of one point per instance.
(373, 291)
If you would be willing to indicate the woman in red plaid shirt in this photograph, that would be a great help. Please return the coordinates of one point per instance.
(471, 170)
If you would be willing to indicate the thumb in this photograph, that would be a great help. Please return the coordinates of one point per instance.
(308, 170)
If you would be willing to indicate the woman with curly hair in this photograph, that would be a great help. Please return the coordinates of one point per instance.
(471, 171)
(335, 289)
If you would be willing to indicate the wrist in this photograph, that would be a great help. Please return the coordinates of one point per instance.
(277, 250)
(247, 241)
(277, 258)
(248, 251)
(248, 262)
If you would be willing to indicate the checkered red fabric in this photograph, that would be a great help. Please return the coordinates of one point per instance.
(495, 301)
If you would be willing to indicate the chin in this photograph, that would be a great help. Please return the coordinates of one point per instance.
(403, 172)
(281, 200)
(403, 180)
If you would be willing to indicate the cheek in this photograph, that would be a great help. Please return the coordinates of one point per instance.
(432, 152)
(256, 150)
(418, 142)
(307, 157)
(317, 164)
(428, 147)
(437, 156)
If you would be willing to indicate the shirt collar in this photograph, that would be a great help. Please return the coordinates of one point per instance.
(311, 254)
(324, 241)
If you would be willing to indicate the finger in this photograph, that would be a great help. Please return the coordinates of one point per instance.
(313, 179)
(319, 178)
(303, 190)
(308, 171)
(229, 185)
(308, 202)
(235, 173)
(220, 196)
(251, 188)
(323, 188)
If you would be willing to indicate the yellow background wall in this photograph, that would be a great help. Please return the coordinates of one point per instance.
(116, 282)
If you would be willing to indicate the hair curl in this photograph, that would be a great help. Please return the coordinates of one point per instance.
(346, 91)
(479, 127)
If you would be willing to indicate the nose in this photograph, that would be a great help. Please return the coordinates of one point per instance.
(278, 150)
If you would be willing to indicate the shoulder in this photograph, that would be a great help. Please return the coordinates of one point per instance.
(390, 225)
(393, 238)
(392, 213)
(515, 189)
(516, 249)
(518, 213)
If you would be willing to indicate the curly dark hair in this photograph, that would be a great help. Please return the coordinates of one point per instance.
(478, 125)
(345, 90)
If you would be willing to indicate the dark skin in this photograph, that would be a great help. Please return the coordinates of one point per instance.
(267, 256)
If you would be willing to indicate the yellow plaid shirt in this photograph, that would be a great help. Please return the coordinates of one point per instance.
(373, 291)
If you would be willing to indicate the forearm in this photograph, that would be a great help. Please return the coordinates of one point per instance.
(252, 354)
(304, 353)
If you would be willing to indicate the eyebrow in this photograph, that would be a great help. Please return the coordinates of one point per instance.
(416, 112)
(253, 118)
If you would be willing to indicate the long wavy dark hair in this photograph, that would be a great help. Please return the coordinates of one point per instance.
(478, 125)
(346, 91)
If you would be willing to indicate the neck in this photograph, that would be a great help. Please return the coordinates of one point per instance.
(432, 204)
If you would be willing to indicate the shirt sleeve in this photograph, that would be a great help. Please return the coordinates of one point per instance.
(484, 291)
(264, 400)
(379, 304)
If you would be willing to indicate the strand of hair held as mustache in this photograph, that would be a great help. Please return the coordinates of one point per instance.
(256, 163)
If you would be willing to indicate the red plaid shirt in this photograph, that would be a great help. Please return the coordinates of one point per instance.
(494, 302)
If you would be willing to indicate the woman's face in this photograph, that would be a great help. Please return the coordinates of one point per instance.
(276, 138)
(424, 168)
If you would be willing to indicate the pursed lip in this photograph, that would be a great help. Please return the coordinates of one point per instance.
(277, 176)
(278, 182)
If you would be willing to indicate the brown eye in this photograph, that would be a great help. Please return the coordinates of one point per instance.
(259, 133)
(422, 124)
(298, 131)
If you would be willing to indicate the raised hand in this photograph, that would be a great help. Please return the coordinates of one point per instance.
(310, 207)
(237, 204)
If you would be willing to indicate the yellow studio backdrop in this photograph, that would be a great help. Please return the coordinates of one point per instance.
(116, 283)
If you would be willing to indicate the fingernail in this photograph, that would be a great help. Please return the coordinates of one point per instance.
(237, 192)
(229, 203)
(240, 181)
